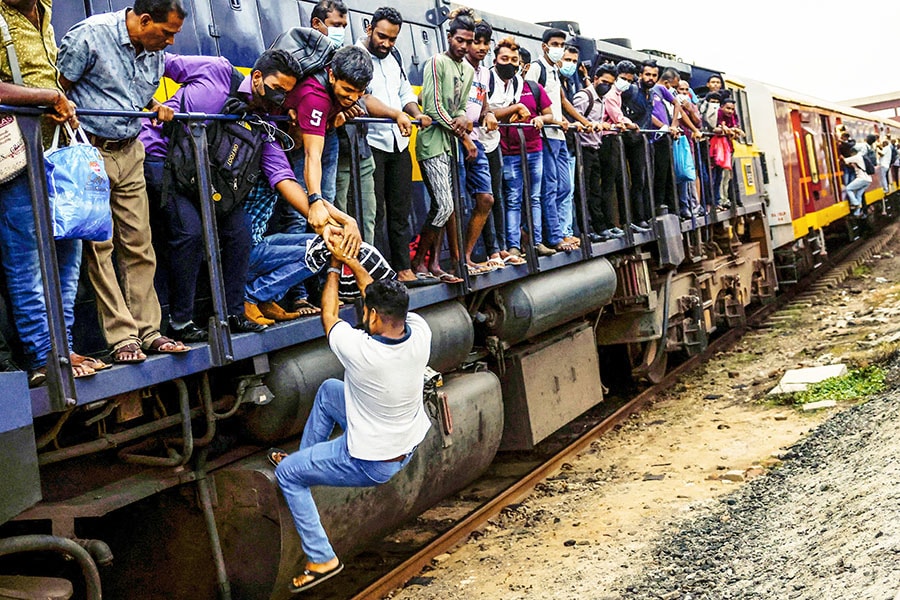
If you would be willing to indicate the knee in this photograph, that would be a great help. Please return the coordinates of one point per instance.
(485, 202)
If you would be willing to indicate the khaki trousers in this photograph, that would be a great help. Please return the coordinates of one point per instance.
(127, 305)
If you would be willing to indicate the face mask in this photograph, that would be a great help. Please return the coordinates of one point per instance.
(622, 84)
(507, 71)
(274, 96)
(568, 69)
(684, 97)
(336, 35)
(555, 54)
(602, 88)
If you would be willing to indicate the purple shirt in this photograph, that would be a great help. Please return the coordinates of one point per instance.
(660, 93)
(205, 83)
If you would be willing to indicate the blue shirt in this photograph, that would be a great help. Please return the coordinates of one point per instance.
(106, 72)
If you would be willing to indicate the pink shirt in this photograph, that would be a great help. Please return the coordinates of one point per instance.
(612, 109)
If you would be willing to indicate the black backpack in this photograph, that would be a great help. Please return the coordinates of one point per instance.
(869, 160)
(312, 50)
(235, 151)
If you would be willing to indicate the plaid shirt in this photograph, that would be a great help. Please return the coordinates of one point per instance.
(259, 205)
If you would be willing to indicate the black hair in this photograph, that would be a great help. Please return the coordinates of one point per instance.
(871, 138)
(524, 55)
(272, 62)
(605, 69)
(625, 66)
(483, 30)
(669, 74)
(389, 297)
(650, 63)
(726, 98)
(716, 76)
(389, 14)
(572, 48)
(325, 7)
(847, 149)
(159, 9)
(462, 18)
(714, 96)
(549, 34)
(353, 65)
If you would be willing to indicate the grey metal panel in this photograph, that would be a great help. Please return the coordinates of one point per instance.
(237, 26)
(276, 17)
(18, 454)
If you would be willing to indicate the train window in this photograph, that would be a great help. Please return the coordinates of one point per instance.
(744, 114)
(812, 157)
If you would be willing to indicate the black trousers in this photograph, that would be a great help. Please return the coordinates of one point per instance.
(637, 169)
(663, 185)
(393, 197)
(597, 207)
(611, 180)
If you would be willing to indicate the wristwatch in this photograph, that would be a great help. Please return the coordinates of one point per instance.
(315, 197)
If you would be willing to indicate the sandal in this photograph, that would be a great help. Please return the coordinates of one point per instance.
(445, 277)
(496, 263)
(565, 247)
(128, 354)
(478, 269)
(157, 346)
(88, 361)
(306, 308)
(514, 260)
(276, 455)
(317, 578)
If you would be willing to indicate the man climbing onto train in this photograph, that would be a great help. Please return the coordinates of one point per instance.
(378, 407)
(115, 61)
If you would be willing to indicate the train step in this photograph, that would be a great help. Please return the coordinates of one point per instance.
(17, 587)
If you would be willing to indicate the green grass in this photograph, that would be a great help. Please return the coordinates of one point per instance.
(856, 384)
(860, 270)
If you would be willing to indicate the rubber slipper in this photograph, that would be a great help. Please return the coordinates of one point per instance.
(496, 263)
(88, 361)
(514, 260)
(306, 308)
(445, 277)
(156, 345)
(275, 455)
(317, 578)
(478, 269)
(119, 354)
(420, 282)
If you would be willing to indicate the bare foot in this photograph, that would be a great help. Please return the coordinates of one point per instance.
(406, 275)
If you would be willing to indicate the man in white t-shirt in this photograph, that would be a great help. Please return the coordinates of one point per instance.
(378, 406)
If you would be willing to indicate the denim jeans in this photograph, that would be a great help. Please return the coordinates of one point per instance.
(19, 254)
(513, 184)
(566, 215)
(277, 263)
(856, 191)
(321, 461)
(285, 218)
(554, 188)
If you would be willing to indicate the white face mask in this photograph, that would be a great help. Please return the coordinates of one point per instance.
(336, 35)
(684, 97)
(555, 54)
(622, 84)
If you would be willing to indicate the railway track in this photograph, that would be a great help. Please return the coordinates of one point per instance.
(837, 267)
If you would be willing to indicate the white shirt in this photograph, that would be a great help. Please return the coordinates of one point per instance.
(383, 386)
(884, 157)
(504, 95)
(553, 88)
(391, 86)
(859, 166)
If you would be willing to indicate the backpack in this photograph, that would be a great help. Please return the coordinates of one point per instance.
(311, 49)
(869, 160)
(235, 151)
(542, 78)
(590, 105)
(396, 54)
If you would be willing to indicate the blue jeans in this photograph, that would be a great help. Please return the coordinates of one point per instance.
(555, 188)
(566, 216)
(513, 183)
(856, 191)
(285, 218)
(19, 254)
(321, 461)
(277, 263)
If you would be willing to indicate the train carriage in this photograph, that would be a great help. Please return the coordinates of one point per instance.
(165, 462)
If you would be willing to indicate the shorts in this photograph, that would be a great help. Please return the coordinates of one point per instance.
(477, 172)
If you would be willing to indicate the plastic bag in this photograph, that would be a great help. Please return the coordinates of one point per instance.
(685, 169)
(720, 151)
(78, 188)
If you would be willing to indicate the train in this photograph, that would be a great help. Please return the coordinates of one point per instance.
(154, 478)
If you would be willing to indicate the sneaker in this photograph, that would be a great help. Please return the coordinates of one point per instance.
(241, 324)
(190, 333)
(254, 315)
(638, 229)
(645, 225)
(543, 250)
(596, 238)
(616, 232)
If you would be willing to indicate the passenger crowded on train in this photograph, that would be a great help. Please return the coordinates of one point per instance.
(378, 408)
(555, 185)
(476, 172)
(885, 158)
(665, 113)
(447, 79)
(35, 48)
(520, 101)
(728, 121)
(390, 146)
(589, 102)
(115, 61)
(689, 120)
(637, 105)
(852, 156)
(570, 83)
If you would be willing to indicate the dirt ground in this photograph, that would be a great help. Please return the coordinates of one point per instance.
(605, 526)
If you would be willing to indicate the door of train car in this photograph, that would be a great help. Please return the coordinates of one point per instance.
(804, 127)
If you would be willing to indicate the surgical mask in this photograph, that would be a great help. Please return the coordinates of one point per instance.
(684, 97)
(274, 96)
(336, 35)
(568, 69)
(555, 54)
(602, 88)
(622, 84)
(507, 71)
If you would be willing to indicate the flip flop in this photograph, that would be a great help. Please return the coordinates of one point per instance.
(422, 279)
(155, 347)
(478, 269)
(445, 277)
(317, 578)
(306, 308)
(88, 361)
(496, 263)
(514, 260)
(275, 455)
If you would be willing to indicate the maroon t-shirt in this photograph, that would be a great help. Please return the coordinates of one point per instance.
(509, 136)
(314, 105)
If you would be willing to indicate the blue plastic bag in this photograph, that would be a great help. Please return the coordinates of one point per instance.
(78, 189)
(685, 170)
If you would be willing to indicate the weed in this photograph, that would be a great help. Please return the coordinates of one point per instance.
(856, 384)
(860, 270)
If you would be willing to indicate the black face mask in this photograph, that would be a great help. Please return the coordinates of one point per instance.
(602, 88)
(507, 71)
(274, 96)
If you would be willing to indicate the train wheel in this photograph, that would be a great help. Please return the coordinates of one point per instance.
(647, 361)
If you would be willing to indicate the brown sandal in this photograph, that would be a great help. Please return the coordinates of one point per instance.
(128, 354)
(156, 346)
(88, 361)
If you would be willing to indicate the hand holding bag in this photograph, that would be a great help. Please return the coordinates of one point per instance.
(78, 189)
(685, 170)
(12, 144)
(720, 151)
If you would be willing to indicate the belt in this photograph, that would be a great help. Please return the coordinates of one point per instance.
(109, 145)
(400, 458)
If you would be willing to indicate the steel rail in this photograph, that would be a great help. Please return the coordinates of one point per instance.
(524, 487)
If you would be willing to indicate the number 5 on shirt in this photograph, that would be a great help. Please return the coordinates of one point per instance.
(315, 118)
